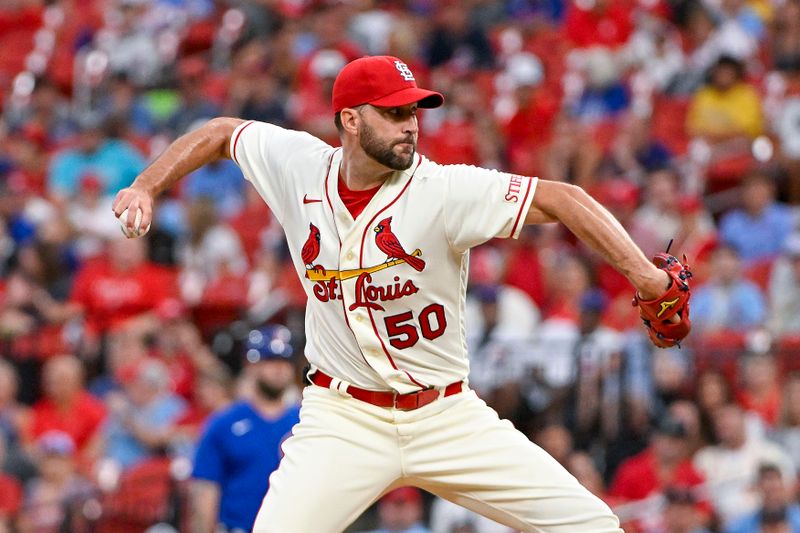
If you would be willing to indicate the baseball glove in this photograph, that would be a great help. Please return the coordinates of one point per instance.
(657, 314)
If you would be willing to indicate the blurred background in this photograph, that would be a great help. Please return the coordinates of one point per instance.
(681, 116)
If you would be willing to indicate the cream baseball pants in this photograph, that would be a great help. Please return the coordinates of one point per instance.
(345, 453)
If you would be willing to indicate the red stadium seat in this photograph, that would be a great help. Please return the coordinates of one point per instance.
(719, 351)
(759, 272)
(669, 123)
(141, 499)
(787, 350)
(604, 133)
(224, 300)
(728, 172)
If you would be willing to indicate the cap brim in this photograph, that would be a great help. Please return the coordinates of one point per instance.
(422, 97)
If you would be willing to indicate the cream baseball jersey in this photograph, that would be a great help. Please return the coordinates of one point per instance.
(386, 291)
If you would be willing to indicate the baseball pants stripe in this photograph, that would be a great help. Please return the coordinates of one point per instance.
(344, 454)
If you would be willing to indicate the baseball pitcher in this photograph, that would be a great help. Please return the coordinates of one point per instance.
(380, 238)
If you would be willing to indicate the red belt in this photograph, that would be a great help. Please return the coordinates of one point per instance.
(403, 402)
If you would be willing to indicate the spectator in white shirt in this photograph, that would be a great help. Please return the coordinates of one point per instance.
(731, 466)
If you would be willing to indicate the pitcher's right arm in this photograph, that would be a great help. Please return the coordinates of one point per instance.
(186, 154)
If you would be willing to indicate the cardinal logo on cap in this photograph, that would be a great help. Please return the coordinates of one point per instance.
(405, 72)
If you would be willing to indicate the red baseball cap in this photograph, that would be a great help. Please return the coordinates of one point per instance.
(402, 495)
(383, 81)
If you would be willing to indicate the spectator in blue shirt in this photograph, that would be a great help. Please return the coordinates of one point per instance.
(142, 417)
(605, 95)
(115, 162)
(220, 181)
(240, 446)
(123, 102)
(760, 227)
(778, 512)
(727, 300)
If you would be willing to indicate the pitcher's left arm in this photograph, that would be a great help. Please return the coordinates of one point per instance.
(662, 290)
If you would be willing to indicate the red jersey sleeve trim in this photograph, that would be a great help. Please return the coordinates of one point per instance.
(524, 207)
(235, 139)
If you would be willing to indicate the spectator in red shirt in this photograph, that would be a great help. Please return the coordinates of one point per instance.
(118, 287)
(66, 405)
(599, 23)
(664, 463)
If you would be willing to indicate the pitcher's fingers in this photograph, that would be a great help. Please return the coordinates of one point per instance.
(121, 202)
(130, 221)
(147, 214)
(116, 205)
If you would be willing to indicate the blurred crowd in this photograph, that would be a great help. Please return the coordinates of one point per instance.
(681, 116)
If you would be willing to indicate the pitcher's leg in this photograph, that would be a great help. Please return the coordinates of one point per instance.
(466, 454)
(339, 459)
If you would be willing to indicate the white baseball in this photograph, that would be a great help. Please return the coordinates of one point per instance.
(138, 231)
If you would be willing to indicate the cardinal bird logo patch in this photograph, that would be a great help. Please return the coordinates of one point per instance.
(387, 243)
(311, 251)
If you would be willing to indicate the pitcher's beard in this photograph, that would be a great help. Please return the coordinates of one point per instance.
(382, 152)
